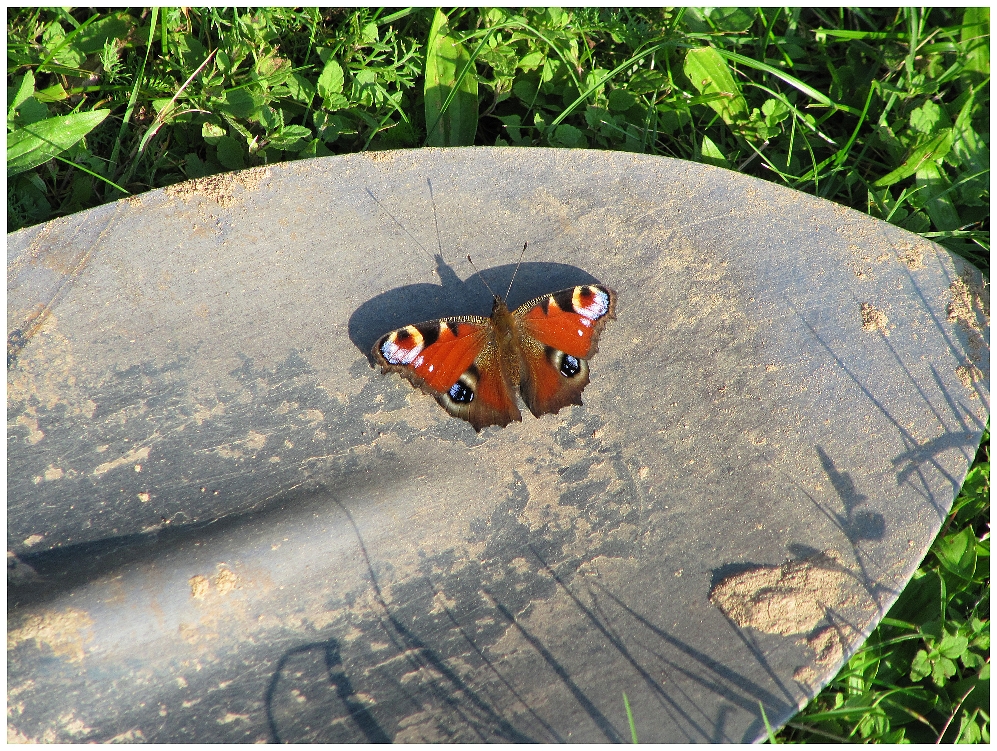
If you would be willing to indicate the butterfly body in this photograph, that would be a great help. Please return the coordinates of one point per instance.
(474, 366)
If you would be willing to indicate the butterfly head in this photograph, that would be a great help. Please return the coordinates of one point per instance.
(498, 306)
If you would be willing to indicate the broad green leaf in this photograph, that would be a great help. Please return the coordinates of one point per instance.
(933, 631)
(365, 77)
(927, 118)
(693, 20)
(35, 144)
(568, 135)
(874, 723)
(160, 104)
(920, 668)
(941, 670)
(557, 18)
(620, 100)
(397, 136)
(976, 39)
(273, 70)
(933, 150)
(969, 731)
(300, 88)
(953, 645)
(730, 19)
(975, 494)
(331, 80)
(61, 48)
(195, 167)
(917, 222)
(211, 133)
(336, 102)
(24, 90)
(526, 90)
(957, 553)
(670, 120)
(531, 61)
(270, 119)
(289, 136)
(451, 89)
(634, 139)
(240, 103)
(188, 45)
(967, 146)
(599, 119)
(241, 129)
(496, 16)
(369, 33)
(971, 659)
(224, 62)
(709, 73)
(595, 81)
(54, 93)
(775, 111)
(230, 153)
(920, 601)
(711, 154)
(937, 197)
(330, 127)
(540, 122)
(311, 149)
(31, 111)
(116, 26)
(647, 81)
(502, 60)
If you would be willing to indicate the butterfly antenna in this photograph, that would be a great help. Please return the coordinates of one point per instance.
(480, 276)
(518, 263)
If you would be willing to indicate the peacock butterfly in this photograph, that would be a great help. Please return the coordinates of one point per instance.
(473, 365)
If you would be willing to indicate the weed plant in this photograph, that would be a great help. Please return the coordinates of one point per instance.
(883, 110)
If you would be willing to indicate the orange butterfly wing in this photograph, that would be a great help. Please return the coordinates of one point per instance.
(559, 333)
(457, 361)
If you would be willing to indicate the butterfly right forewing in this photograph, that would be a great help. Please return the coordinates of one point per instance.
(558, 334)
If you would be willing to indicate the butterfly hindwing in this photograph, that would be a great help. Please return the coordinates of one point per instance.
(558, 334)
(455, 360)
(483, 394)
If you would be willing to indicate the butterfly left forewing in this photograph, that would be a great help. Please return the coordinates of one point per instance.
(455, 360)
(559, 333)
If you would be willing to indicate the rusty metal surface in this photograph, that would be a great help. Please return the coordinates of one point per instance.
(224, 525)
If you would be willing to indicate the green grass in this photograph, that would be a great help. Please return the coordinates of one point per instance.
(885, 111)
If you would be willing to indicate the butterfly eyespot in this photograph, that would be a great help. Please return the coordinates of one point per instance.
(460, 393)
(590, 302)
(570, 367)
